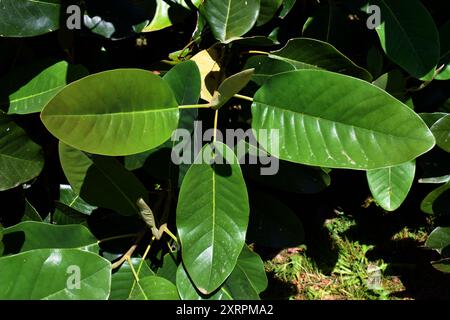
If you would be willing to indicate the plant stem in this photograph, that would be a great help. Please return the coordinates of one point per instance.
(123, 236)
(195, 106)
(216, 120)
(239, 96)
(258, 52)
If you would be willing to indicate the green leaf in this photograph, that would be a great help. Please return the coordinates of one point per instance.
(441, 131)
(231, 86)
(305, 53)
(230, 19)
(268, 10)
(272, 223)
(101, 181)
(266, 68)
(439, 238)
(393, 83)
(336, 121)
(40, 89)
(409, 36)
(168, 270)
(390, 186)
(20, 158)
(185, 81)
(288, 5)
(28, 18)
(167, 12)
(72, 200)
(442, 265)
(247, 280)
(126, 100)
(154, 288)
(431, 118)
(46, 274)
(31, 235)
(212, 217)
(30, 213)
(427, 203)
(122, 280)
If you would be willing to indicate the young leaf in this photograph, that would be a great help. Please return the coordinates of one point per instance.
(28, 18)
(409, 36)
(43, 274)
(20, 158)
(390, 186)
(336, 121)
(305, 53)
(231, 86)
(230, 19)
(130, 111)
(212, 217)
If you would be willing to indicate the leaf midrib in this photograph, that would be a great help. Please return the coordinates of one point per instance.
(121, 113)
(343, 123)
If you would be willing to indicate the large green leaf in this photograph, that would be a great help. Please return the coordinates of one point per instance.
(409, 36)
(27, 18)
(101, 181)
(441, 130)
(212, 217)
(31, 235)
(247, 280)
(154, 288)
(46, 274)
(20, 158)
(40, 89)
(122, 280)
(230, 19)
(305, 53)
(390, 186)
(336, 121)
(130, 111)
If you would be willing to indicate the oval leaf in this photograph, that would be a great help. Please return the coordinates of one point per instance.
(390, 186)
(336, 121)
(230, 19)
(128, 112)
(43, 274)
(212, 218)
(409, 36)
